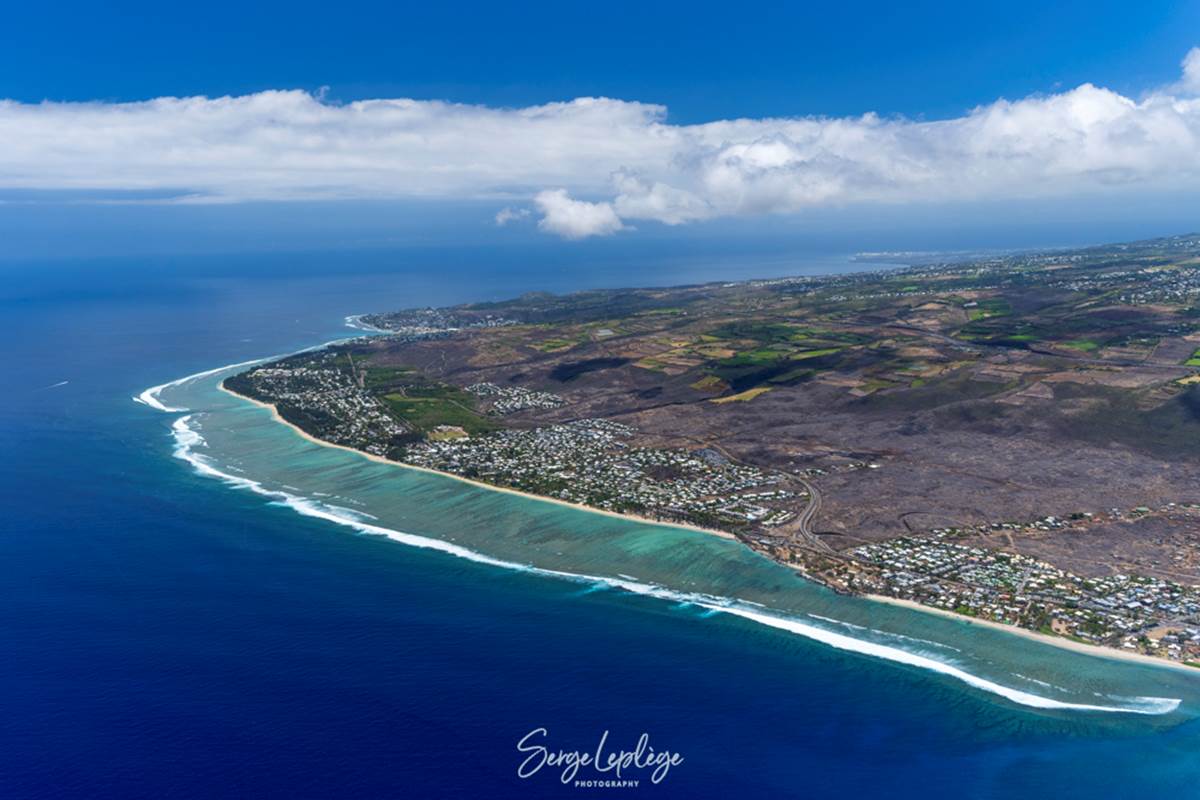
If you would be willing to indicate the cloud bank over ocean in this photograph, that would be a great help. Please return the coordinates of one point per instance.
(596, 166)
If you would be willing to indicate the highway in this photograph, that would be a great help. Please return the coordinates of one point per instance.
(803, 525)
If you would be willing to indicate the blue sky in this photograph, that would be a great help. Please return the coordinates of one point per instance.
(659, 163)
(703, 60)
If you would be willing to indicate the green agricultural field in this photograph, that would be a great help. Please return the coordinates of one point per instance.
(427, 405)
(658, 312)
(753, 358)
(817, 337)
(710, 383)
(756, 330)
(440, 391)
(426, 413)
(554, 345)
(742, 397)
(995, 307)
(381, 379)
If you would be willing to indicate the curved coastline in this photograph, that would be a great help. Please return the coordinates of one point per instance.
(540, 498)
(1056, 641)
(187, 438)
(149, 397)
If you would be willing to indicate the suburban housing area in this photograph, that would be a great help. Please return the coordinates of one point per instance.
(1013, 438)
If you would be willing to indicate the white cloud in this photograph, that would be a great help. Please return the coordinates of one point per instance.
(640, 199)
(575, 219)
(509, 214)
(1189, 82)
(625, 155)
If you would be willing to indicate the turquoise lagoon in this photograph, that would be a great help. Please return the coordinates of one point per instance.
(230, 439)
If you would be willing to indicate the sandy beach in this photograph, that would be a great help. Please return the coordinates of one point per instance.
(1056, 641)
(634, 517)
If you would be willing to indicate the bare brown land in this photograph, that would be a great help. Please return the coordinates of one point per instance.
(905, 432)
(1045, 406)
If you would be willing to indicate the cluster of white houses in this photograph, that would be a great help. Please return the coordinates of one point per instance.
(1132, 612)
(510, 399)
(348, 415)
(589, 461)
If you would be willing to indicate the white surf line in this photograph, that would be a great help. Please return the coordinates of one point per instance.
(55, 385)
(888, 633)
(1144, 705)
(149, 397)
(187, 439)
(356, 321)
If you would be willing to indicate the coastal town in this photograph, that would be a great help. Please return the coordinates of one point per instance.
(589, 462)
(1132, 613)
(672, 405)
(347, 415)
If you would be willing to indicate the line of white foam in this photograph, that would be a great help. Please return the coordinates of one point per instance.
(1142, 705)
(886, 633)
(150, 397)
(356, 321)
(188, 439)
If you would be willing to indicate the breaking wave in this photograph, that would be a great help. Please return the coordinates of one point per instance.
(356, 321)
(150, 397)
(1134, 705)
(188, 440)
(888, 634)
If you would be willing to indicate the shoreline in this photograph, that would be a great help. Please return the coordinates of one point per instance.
(482, 484)
(1061, 642)
(1056, 641)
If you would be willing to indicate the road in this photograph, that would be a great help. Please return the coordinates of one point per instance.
(801, 526)
(804, 521)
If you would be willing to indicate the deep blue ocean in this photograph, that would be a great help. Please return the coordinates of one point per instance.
(164, 636)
